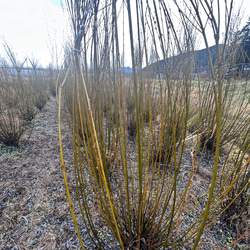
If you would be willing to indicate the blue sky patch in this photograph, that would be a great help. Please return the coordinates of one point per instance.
(56, 2)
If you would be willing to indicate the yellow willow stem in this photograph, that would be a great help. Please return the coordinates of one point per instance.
(217, 150)
(62, 161)
(101, 164)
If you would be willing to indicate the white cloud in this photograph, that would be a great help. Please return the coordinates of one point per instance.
(30, 26)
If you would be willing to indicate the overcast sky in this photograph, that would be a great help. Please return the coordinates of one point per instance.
(34, 27)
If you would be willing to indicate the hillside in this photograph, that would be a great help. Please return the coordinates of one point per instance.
(175, 62)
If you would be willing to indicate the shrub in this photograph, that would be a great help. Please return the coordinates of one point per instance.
(145, 207)
(38, 85)
(52, 79)
(237, 201)
(234, 115)
(11, 128)
(27, 102)
(23, 90)
(131, 124)
(11, 125)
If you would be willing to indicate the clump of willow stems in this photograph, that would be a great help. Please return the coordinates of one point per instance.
(11, 124)
(142, 207)
(22, 94)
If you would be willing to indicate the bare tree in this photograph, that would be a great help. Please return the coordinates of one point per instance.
(18, 65)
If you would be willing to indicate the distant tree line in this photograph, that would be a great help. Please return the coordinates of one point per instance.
(244, 38)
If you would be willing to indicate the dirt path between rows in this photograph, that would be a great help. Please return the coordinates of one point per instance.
(34, 211)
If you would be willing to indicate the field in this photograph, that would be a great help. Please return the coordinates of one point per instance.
(97, 155)
(34, 211)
